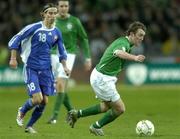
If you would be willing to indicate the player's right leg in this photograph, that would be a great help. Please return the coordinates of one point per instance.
(46, 81)
(28, 105)
(73, 115)
(61, 82)
(34, 91)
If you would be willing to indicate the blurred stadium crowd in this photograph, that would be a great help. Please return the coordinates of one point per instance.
(104, 21)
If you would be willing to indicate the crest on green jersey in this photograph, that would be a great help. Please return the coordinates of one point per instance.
(69, 26)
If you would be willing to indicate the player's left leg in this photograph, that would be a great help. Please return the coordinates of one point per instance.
(38, 111)
(96, 131)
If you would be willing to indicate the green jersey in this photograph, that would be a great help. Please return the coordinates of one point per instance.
(73, 33)
(111, 64)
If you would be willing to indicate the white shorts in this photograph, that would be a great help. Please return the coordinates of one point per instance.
(57, 67)
(104, 86)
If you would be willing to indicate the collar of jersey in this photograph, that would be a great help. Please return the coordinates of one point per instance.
(131, 45)
(43, 26)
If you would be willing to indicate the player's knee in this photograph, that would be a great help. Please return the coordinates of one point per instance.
(37, 100)
(60, 87)
(120, 110)
(45, 100)
(104, 107)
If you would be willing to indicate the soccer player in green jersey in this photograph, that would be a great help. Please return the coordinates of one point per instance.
(103, 79)
(72, 31)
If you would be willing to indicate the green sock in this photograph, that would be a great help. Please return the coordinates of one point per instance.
(67, 103)
(109, 116)
(90, 111)
(59, 101)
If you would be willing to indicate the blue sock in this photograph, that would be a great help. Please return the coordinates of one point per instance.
(36, 114)
(27, 106)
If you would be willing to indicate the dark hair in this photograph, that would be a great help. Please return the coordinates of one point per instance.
(45, 7)
(48, 5)
(133, 27)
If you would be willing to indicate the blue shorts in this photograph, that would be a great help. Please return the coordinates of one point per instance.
(39, 81)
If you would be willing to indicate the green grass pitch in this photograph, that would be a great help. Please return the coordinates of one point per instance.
(159, 104)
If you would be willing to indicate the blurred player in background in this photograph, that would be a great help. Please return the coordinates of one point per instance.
(34, 43)
(72, 32)
(103, 79)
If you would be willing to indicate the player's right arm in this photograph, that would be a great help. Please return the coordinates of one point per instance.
(124, 55)
(13, 62)
(26, 32)
(15, 43)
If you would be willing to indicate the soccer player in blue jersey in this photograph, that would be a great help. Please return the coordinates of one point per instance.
(34, 43)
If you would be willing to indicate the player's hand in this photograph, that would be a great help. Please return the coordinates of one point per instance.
(88, 64)
(13, 63)
(140, 58)
(67, 71)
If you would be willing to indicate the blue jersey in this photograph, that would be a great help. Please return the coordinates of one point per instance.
(34, 43)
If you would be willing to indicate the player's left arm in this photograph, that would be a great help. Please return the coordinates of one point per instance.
(62, 53)
(84, 44)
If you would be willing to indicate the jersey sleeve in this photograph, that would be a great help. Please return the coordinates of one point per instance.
(121, 46)
(61, 49)
(26, 32)
(83, 39)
